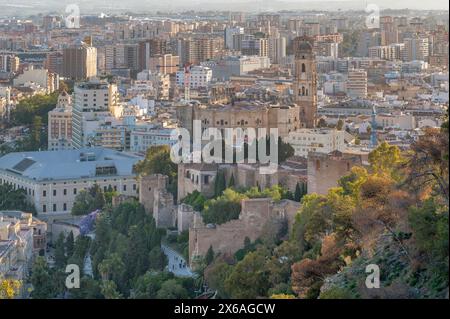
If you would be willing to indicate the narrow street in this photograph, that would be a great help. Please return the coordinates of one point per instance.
(176, 263)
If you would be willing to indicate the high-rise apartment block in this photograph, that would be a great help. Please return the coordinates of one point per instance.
(93, 101)
(357, 83)
(79, 62)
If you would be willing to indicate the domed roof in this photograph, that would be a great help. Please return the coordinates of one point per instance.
(302, 45)
(305, 46)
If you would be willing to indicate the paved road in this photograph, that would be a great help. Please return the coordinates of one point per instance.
(176, 263)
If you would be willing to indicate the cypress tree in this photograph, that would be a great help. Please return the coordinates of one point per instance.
(298, 193)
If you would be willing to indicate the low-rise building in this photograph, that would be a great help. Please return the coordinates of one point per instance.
(52, 179)
(316, 140)
(22, 237)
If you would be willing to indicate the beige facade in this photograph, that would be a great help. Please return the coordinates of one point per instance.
(242, 114)
(60, 124)
(305, 81)
(324, 170)
(229, 237)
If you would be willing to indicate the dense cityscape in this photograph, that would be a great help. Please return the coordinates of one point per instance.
(280, 153)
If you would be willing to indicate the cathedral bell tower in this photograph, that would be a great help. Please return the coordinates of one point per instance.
(305, 81)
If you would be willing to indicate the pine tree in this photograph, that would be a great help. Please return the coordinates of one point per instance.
(219, 184)
(70, 242)
(209, 257)
(60, 255)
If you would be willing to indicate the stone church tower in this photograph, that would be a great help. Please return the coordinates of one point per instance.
(305, 81)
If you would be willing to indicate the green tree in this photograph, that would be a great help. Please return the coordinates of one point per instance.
(109, 290)
(385, 159)
(11, 199)
(224, 208)
(157, 161)
(249, 278)
(285, 150)
(41, 280)
(171, 289)
(219, 184)
(82, 204)
(298, 193)
(60, 251)
(69, 245)
(157, 259)
(209, 257)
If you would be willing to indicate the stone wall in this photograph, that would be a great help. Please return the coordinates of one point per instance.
(148, 184)
(164, 210)
(229, 237)
(185, 217)
(324, 170)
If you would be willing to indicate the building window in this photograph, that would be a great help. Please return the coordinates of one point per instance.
(44, 193)
(44, 208)
(54, 207)
(64, 206)
(124, 188)
(65, 191)
(134, 187)
(54, 192)
(74, 191)
(303, 68)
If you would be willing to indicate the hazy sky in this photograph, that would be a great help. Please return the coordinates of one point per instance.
(94, 6)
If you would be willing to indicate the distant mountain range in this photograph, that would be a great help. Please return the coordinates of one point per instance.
(27, 7)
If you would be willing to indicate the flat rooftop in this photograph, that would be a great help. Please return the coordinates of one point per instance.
(69, 164)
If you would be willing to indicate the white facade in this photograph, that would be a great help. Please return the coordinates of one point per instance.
(357, 83)
(229, 33)
(316, 140)
(52, 179)
(92, 101)
(200, 76)
(143, 137)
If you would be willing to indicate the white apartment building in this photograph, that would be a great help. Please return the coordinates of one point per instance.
(200, 76)
(277, 49)
(144, 136)
(93, 101)
(52, 179)
(391, 52)
(416, 48)
(230, 32)
(357, 83)
(316, 140)
(156, 84)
